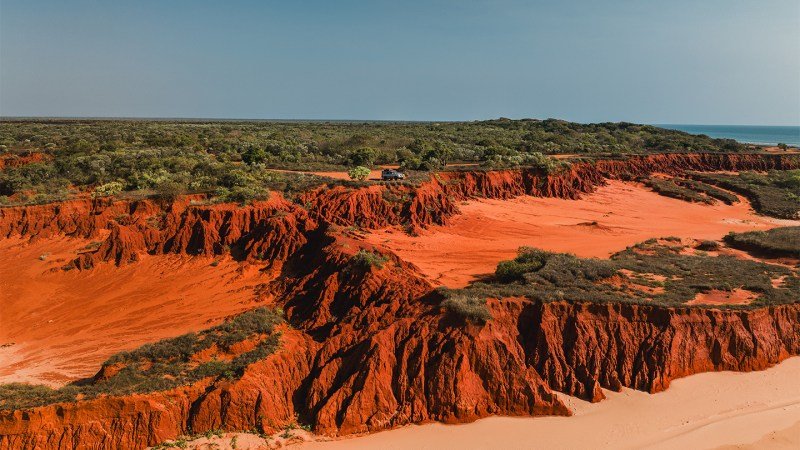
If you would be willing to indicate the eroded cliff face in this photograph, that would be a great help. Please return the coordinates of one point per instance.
(370, 347)
(273, 229)
(579, 348)
(263, 395)
(385, 358)
(433, 202)
(264, 230)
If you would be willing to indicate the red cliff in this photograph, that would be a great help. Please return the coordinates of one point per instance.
(370, 347)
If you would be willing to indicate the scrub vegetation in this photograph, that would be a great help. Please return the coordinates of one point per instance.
(776, 242)
(662, 272)
(775, 193)
(50, 160)
(690, 190)
(165, 364)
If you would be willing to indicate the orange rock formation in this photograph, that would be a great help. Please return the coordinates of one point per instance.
(370, 347)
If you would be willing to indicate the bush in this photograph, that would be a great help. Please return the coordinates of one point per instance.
(791, 180)
(707, 245)
(364, 156)
(241, 194)
(469, 308)
(367, 259)
(703, 188)
(108, 189)
(527, 260)
(359, 173)
(652, 273)
(783, 241)
(170, 190)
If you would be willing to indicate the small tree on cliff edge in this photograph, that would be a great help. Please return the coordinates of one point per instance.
(359, 173)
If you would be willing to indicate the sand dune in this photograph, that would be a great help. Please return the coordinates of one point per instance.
(710, 410)
(58, 326)
(602, 223)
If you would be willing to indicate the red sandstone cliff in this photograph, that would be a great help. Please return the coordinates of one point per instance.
(371, 348)
(436, 200)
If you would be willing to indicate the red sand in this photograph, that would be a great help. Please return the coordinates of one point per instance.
(63, 325)
(717, 297)
(489, 231)
(374, 174)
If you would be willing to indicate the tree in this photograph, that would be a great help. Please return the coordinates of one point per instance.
(108, 189)
(169, 190)
(364, 156)
(254, 155)
(359, 173)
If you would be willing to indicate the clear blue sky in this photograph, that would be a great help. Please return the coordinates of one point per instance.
(678, 61)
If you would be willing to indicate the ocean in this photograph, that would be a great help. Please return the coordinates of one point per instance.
(751, 134)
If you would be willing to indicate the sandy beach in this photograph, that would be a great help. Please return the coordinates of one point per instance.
(704, 411)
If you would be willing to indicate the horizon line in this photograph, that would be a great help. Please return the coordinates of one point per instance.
(228, 119)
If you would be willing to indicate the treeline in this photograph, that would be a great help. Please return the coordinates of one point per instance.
(231, 158)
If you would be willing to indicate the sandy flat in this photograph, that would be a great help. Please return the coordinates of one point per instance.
(598, 225)
(57, 326)
(704, 411)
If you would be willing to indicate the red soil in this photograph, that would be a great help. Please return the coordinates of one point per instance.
(615, 216)
(717, 297)
(374, 174)
(63, 325)
(22, 160)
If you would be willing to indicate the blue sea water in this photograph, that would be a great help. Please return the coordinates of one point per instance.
(750, 134)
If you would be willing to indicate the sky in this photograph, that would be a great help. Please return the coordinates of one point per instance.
(647, 61)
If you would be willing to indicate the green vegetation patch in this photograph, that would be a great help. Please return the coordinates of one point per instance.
(235, 161)
(528, 260)
(469, 308)
(657, 272)
(669, 188)
(366, 259)
(775, 193)
(163, 365)
(690, 190)
(777, 241)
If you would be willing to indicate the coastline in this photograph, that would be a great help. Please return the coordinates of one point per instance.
(762, 135)
(708, 410)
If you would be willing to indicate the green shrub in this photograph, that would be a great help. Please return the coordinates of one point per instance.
(359, 173)
(364, 156)
(791, 180)
(170, 190)
(651, 273)
(712, 192)
(366, 259)
(108, 189)
(469, 308)
(669, 188)
(708, 245)
(527, 260)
